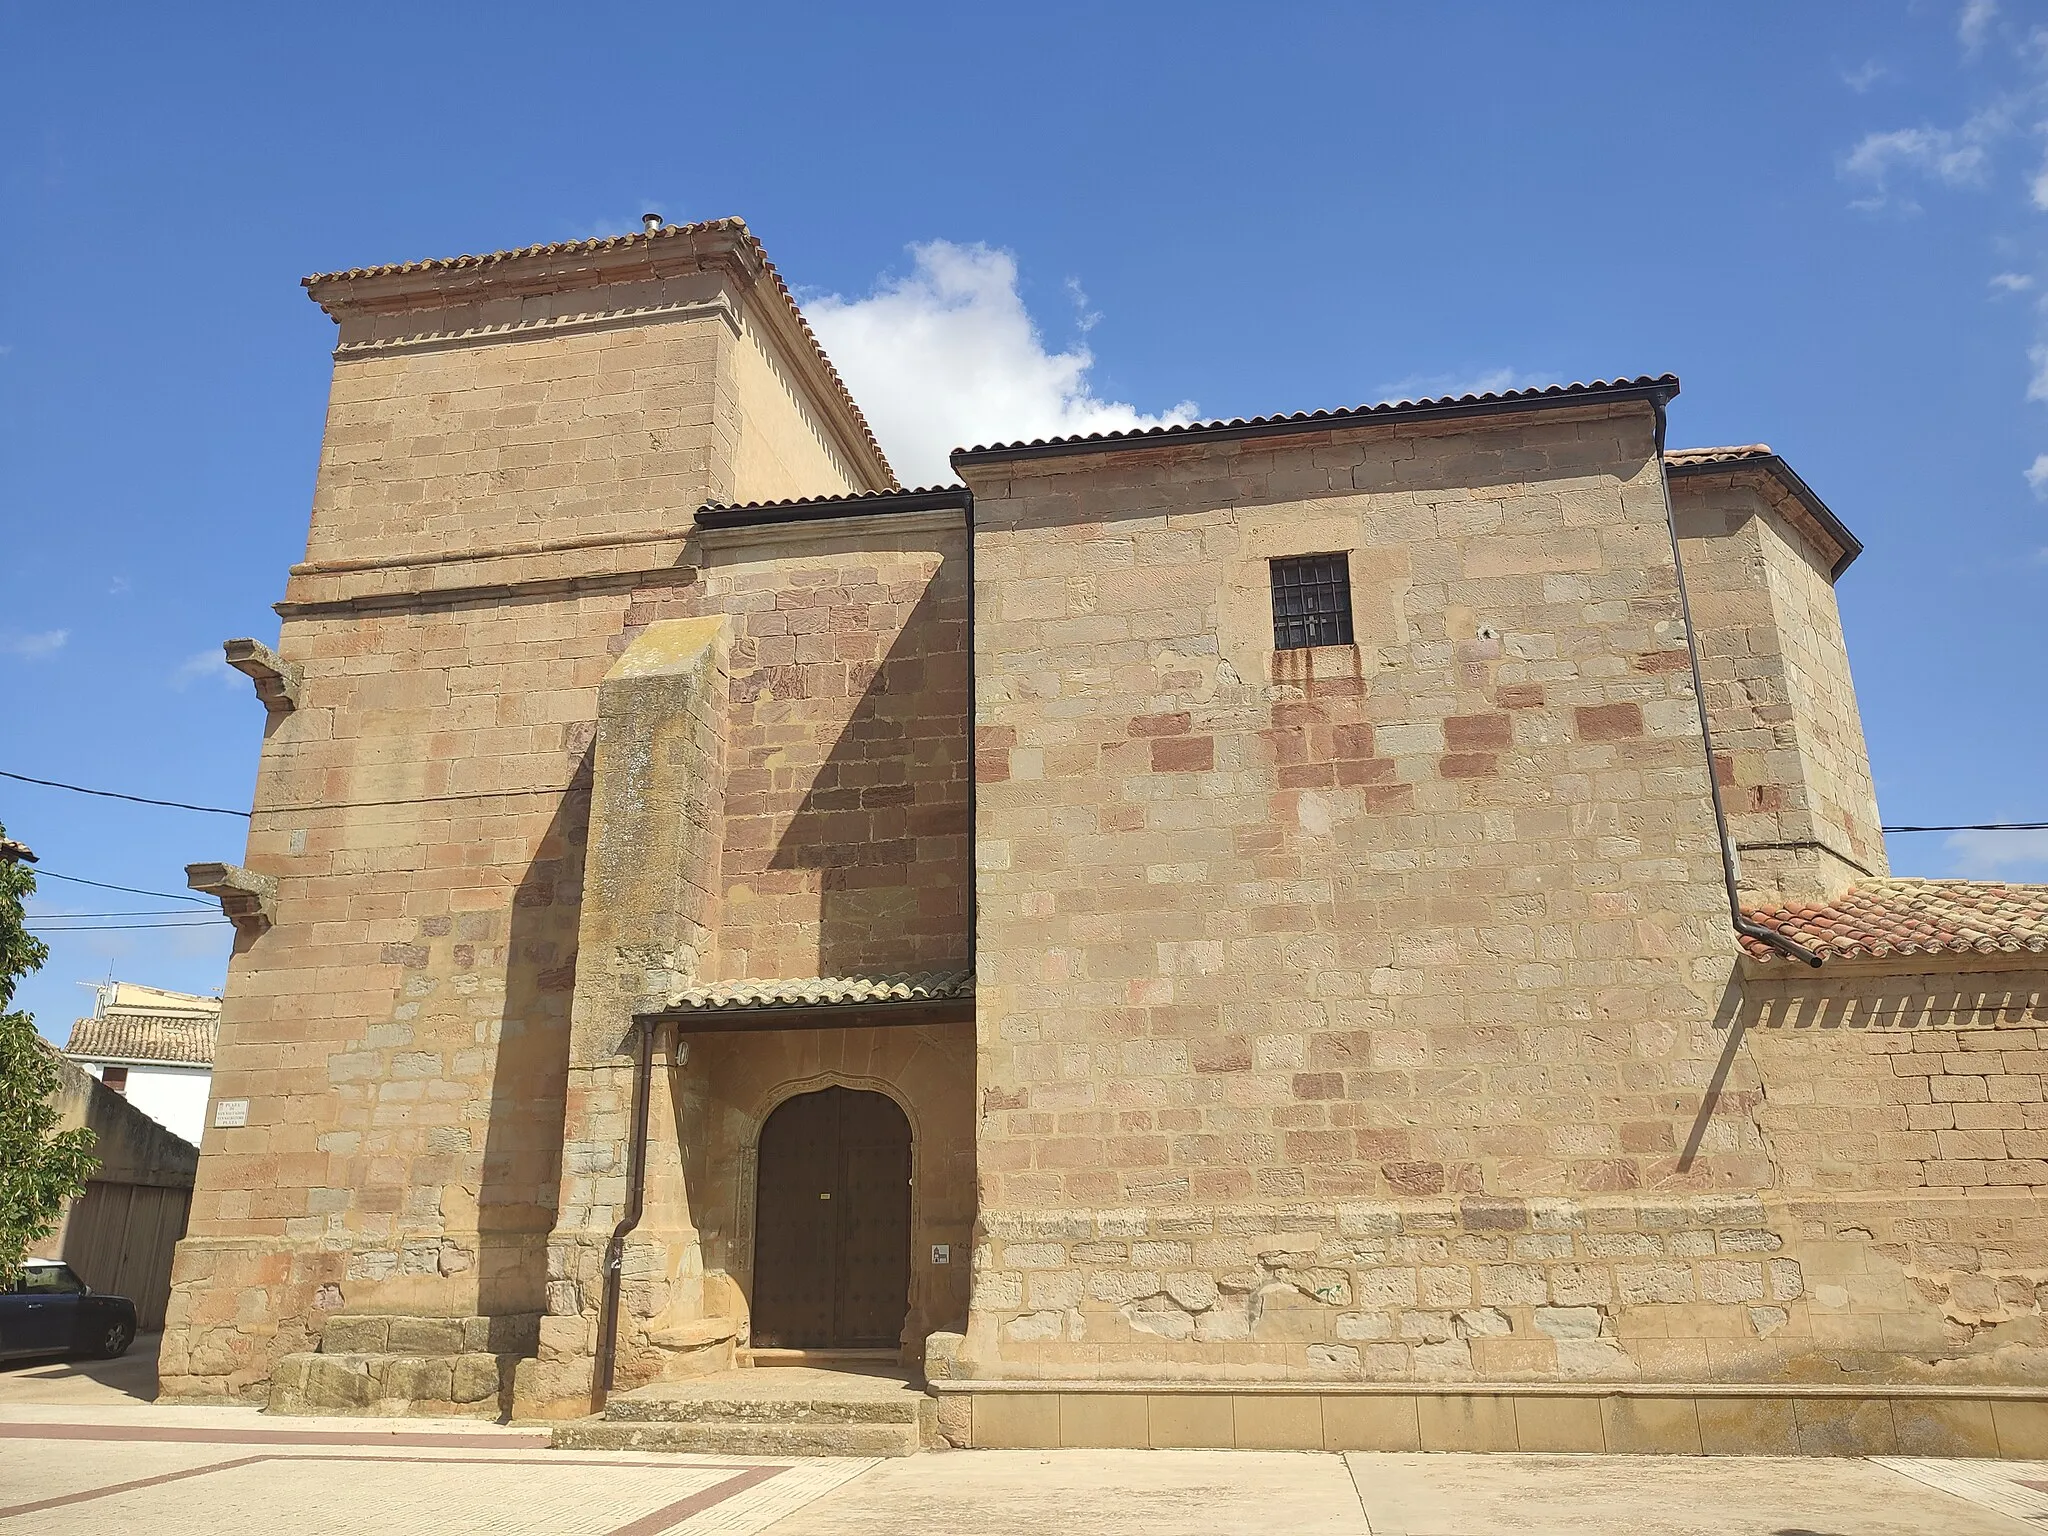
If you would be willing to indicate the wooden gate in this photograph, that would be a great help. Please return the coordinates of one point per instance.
(832, 1223)
(120, 1237)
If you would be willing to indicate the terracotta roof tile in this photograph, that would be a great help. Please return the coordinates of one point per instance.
(903, 493)
(178, 1039)
(1348, 415)
(830, 991)
(1733, 455)
(528, 253)
(1878, 919)
(1761, 457)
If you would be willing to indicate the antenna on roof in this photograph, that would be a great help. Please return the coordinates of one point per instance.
(650, 222)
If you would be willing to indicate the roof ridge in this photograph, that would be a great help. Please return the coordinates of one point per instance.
(1731, 453)
(1342, 414)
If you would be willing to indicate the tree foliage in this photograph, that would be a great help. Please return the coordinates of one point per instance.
(39, 1170)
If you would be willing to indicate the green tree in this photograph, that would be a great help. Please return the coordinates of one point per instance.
(39, 1171)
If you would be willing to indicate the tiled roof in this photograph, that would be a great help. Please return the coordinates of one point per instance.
(1733, 455)
(13, 852)
(528, 253)
(1761, 456)
(801, 509)
(178, 1039)
(847, 496)
(830, 991)
(1877, 919)
(1665, 384)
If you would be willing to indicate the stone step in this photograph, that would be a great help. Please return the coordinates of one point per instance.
(742, 1437)
(783, 1395)
(471, 1385)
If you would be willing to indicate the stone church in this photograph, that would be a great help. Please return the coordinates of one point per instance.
(1235, 934)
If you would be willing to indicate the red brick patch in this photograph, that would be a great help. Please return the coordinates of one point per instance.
(1609, 722)
(1468, 765)
(1175, 724)
(1477, 733)
(1183, 754)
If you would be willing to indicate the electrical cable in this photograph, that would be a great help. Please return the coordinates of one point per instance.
(109, 794)
(203, 922)
(1982, 826)
(51, 874)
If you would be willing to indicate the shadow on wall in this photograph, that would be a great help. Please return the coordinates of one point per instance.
(884, 821)
(516, 1197)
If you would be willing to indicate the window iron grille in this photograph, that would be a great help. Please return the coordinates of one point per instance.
(1311, 602)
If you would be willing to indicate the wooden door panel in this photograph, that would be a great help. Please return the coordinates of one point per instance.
(832, 1223)
(796, 1225)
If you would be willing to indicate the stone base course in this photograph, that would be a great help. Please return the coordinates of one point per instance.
(1665, 1419)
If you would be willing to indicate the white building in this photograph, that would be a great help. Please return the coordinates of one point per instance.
(154, 1046)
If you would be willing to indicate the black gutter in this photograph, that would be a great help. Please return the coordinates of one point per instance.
(1774, 464)
(819, 509)
(636, 1191)
(1742, 924)
(1655, 391)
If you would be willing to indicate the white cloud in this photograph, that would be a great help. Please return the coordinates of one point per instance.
(949, 357)
(2037, 189)
(1437, 386)
(1997, 855)
(1955, 157)
(1973, 25)
(2012, 282)
(2037, 475)
(1864, 77)
(204, 666)
(34, 647)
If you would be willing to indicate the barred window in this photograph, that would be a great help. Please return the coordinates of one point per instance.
(1311, 602)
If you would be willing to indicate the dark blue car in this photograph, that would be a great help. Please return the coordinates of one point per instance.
(50, 1311)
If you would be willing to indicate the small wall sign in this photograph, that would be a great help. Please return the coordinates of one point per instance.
(942, 1253)
(231, 1112)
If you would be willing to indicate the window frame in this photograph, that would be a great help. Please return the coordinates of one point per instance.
(1323, 577)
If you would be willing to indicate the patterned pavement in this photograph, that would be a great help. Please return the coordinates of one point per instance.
(96, 1479)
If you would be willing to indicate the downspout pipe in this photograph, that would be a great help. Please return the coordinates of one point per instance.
(973, 754)
(644, 1025)
(1742, 925)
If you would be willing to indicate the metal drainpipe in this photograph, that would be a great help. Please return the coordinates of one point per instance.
(1743, 925)
(973, 751)
(636, 1189)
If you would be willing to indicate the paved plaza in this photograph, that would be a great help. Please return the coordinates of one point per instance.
(84, 1451)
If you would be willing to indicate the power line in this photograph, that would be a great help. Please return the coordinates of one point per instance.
(203, 922)
(108, 794)
(65, 917)
(314, 805)
(51, 874)
(1981, 826)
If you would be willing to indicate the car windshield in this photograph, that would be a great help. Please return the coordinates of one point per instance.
(49, 1280)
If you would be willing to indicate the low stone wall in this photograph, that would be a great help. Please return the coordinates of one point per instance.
(1663, 1420)
(1707, 1288)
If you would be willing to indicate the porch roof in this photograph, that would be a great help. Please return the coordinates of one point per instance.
(826, 1001)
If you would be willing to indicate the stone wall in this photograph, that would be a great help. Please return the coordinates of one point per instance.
(1370, 1013)
(839, 847)
(1794, 768)
(506, 484)
(1434, 916)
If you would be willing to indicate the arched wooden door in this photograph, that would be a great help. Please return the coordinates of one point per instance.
(832, 1223)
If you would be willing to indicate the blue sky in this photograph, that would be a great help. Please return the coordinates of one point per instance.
(1830, 221)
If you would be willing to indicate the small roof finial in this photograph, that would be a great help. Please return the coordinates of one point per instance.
(650, 222)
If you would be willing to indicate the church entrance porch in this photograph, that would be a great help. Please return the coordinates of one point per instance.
(832, 1224)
